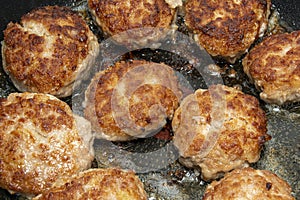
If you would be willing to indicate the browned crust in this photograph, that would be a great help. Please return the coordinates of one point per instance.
(250, 184)
(274, 67)
(102, 184)
(121, 15)
(99, 100)
(39, 143)
(151, 95)
(239, 140)
(48, 114)
(134, 23)
(33, 62)
(226, 28)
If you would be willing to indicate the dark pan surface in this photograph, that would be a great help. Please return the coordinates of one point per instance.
(280, 155)
(289, 11)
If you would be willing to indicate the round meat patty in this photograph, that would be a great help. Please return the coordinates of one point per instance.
(274, 68)
(132, 99)
(227, 28)
(40, 142)
(99, 184)
(134, 23)
(49, 48)
(218, 130)
(249, 184)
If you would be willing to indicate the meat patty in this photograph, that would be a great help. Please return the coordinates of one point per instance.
(40, 142)
(99, 184)
(249, 184)
(227, 28)
(134, 23)
(47, 51)
(218, 130)
(132, 99)
(274, 67)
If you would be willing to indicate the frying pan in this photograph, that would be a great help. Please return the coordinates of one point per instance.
(280, 155)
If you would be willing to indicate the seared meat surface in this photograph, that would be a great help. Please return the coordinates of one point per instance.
(227, 28)
(134, 23)
(47, 50)
(98, 184)
(274, 67)
(132, 99)
(218, 130)
(249, 184)
(40, 143)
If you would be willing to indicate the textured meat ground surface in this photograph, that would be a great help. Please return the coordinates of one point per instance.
(133, 23)
(248, 184)
(218, 130)
(274, 67)
(132, 99)
(40, 143)
(102, 184)
(227, 28)
(47, 50)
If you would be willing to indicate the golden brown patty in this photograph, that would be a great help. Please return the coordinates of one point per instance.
(249, 184)
(227, 28)
(131, 99)
(99, 184)
(47, 50)
(117, 16)
(40, 143)
(274, 67)
(221, 133)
